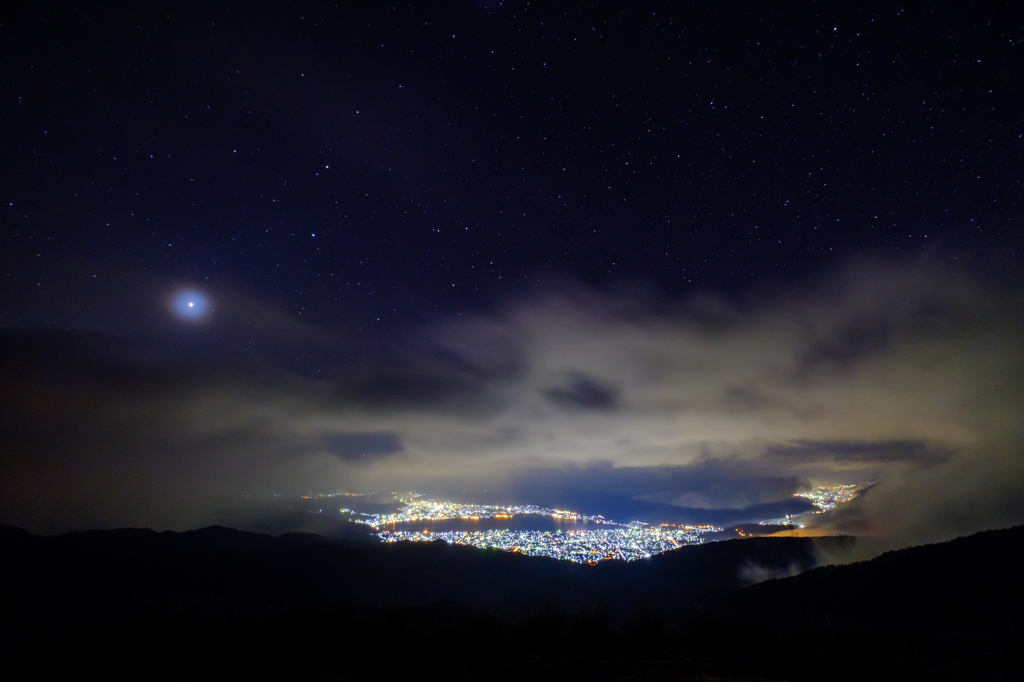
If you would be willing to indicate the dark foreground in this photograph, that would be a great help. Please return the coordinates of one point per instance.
(218, 603)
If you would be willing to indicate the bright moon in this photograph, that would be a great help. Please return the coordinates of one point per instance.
(190, 304)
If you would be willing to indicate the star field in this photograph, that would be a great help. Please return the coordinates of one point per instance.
(374, 167)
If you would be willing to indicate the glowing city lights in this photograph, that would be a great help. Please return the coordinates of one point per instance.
(582, 545)
(626, 543)
(825, 498)
(829, 497)
(417, 509)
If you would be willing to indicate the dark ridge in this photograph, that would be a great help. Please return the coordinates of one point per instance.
(967, 586)
(12, 533)
(229, 603)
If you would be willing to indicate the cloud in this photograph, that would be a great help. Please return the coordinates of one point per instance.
(353, 446)
(739, 491)
(752, 573)
(862, 452)
(583, 392)
(905, 374)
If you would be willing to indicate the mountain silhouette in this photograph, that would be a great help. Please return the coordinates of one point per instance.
(226, 602)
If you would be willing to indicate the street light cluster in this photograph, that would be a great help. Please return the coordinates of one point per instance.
(415, 508)
(627, 543)
(827, 498)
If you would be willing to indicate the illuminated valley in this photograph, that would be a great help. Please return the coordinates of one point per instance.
(608, 540)
(566, 534)
(627, 543)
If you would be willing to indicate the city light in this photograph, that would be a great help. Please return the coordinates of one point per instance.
(625, 542)
(825, 498)
(828, 497)
(417, 509)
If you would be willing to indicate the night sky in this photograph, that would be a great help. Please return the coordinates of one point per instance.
(694, 255)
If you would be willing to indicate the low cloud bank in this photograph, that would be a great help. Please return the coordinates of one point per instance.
(908, 375)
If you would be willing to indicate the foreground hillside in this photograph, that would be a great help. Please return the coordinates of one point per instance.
(219, 602)
(243, 570)
(970, 586)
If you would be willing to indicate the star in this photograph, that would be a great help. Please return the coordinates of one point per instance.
(190, 304)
